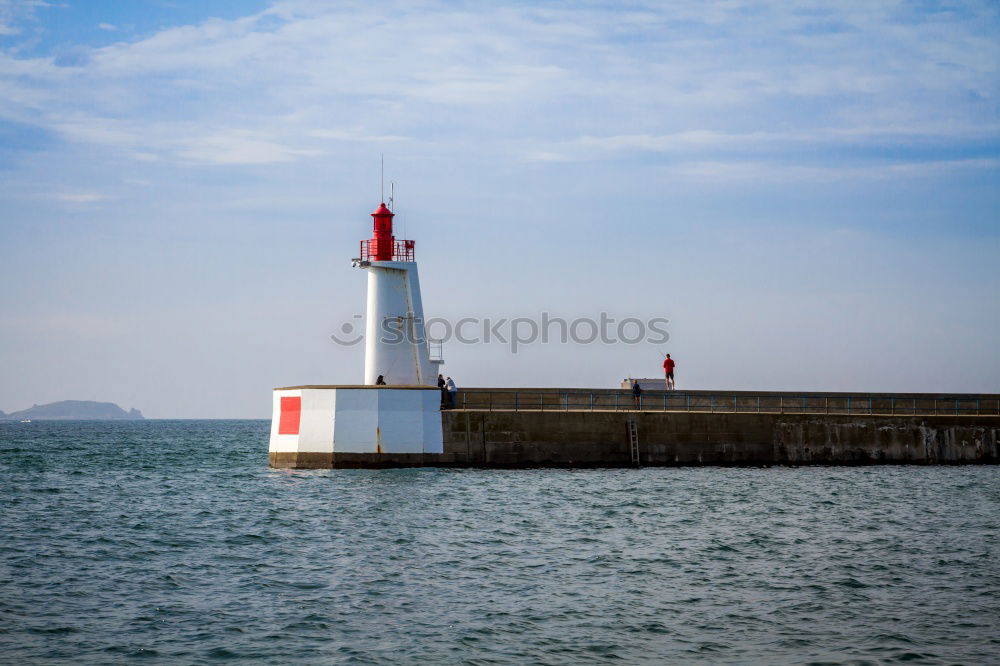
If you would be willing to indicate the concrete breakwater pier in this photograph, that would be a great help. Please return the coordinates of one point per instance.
(395, 418)
(512, 428)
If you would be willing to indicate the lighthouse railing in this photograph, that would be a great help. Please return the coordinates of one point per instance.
(402, 250)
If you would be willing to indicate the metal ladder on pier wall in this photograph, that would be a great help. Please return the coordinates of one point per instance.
(633, 440)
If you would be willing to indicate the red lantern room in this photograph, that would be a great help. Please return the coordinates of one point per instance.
(382, 240)
(383, 246)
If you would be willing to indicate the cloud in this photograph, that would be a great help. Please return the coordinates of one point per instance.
(546, 156)
(107, 26)
(710, 156)
(707, 172)
(543, 84)
(676, 141)
(353, 135)
(236, 148)
(81, 197)
(14, 12)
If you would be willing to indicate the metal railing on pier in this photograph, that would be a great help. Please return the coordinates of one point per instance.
(677, 401)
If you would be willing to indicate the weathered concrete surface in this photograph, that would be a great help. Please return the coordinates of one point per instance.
(598, 439)
(860, 440)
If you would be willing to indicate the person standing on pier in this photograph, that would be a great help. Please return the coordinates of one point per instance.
(452, 392)
(636, 393)
(444, 391)
(668, 371)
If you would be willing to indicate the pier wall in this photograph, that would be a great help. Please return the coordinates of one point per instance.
(476, 438)
(599, 439)
(588, 428)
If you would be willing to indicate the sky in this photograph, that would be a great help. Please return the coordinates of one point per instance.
(809, 191)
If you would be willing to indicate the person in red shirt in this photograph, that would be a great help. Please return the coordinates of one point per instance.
(668, 369)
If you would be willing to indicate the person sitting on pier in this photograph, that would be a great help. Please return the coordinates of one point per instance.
(380, 381)
(636, 393)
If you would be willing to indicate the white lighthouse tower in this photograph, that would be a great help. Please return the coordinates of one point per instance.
(395, 341)
(397, 423)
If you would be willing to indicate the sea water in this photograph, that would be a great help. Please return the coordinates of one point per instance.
(173, 542)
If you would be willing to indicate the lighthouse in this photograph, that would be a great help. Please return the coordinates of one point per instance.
(370, 425)
(395, 341)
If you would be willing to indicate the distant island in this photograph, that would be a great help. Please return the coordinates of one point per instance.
(66, 410)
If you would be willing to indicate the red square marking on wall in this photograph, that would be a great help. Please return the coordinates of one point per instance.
(291, 412)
